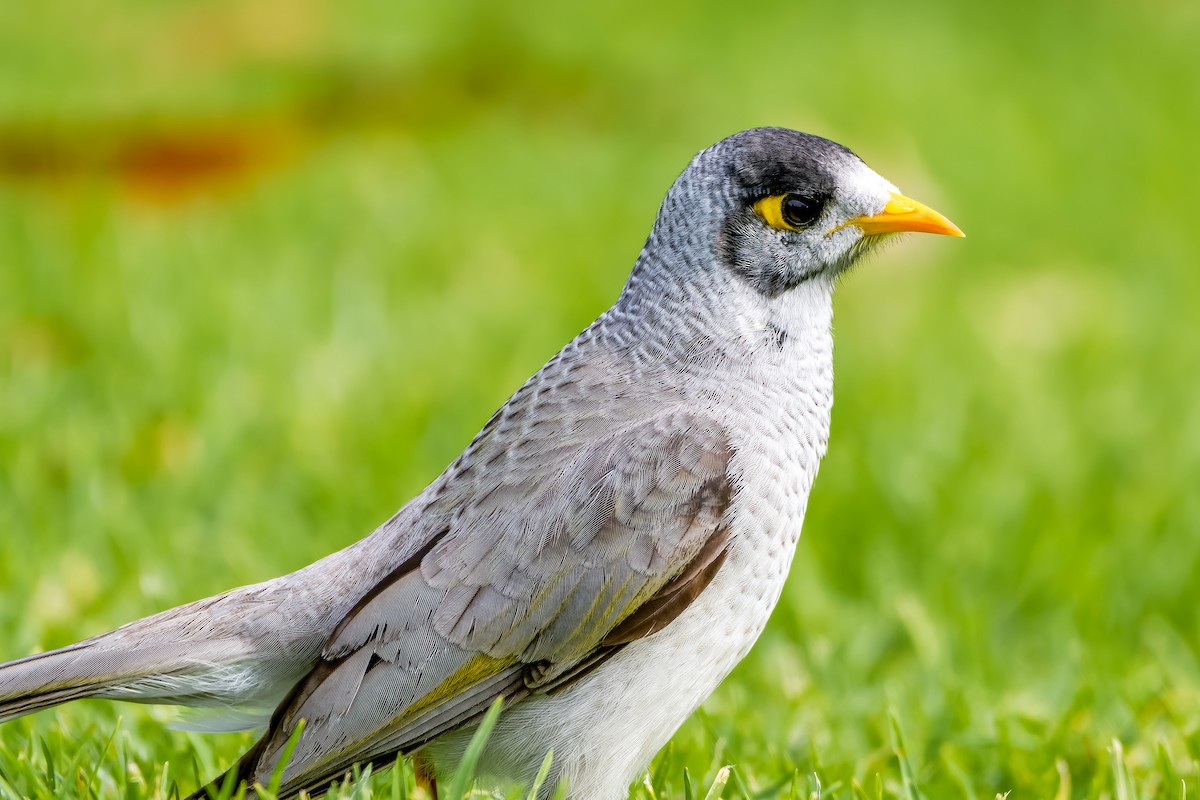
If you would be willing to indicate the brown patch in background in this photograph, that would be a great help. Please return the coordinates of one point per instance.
(161, 164)
(167, 157)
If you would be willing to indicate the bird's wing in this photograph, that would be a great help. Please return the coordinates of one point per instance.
(539, 574)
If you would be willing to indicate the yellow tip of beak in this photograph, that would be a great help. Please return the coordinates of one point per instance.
(905, 215)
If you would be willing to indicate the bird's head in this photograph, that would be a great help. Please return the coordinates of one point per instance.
(777, 208)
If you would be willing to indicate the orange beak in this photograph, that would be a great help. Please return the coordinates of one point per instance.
(905, 215)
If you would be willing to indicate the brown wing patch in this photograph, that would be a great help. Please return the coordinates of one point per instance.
(652, 616)
(657, 612)
(670, 601)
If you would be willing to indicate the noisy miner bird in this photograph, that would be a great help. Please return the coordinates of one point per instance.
(604, 551)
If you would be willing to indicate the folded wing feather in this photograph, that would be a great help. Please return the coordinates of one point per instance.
(538, 576)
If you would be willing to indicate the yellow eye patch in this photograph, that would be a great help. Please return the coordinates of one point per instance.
(789, 212)
(771, 210)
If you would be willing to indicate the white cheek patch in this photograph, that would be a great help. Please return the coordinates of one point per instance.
(863, 191)
(860, 192)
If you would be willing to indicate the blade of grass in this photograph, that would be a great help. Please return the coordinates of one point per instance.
(909, 781)
(51, 778)
(718, 785)
(284, 759)
(465, 774)
(400, 779)
(542, 774)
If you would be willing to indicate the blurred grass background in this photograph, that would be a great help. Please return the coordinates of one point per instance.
(265, 267)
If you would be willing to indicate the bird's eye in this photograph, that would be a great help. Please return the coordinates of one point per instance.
(799, 211)
(788, 212)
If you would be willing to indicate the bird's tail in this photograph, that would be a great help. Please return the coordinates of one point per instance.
(236, 654)
(97, 668)
(47, 679)
(208, 654)
(83, 669)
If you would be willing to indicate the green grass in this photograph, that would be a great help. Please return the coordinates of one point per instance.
(996, 588)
